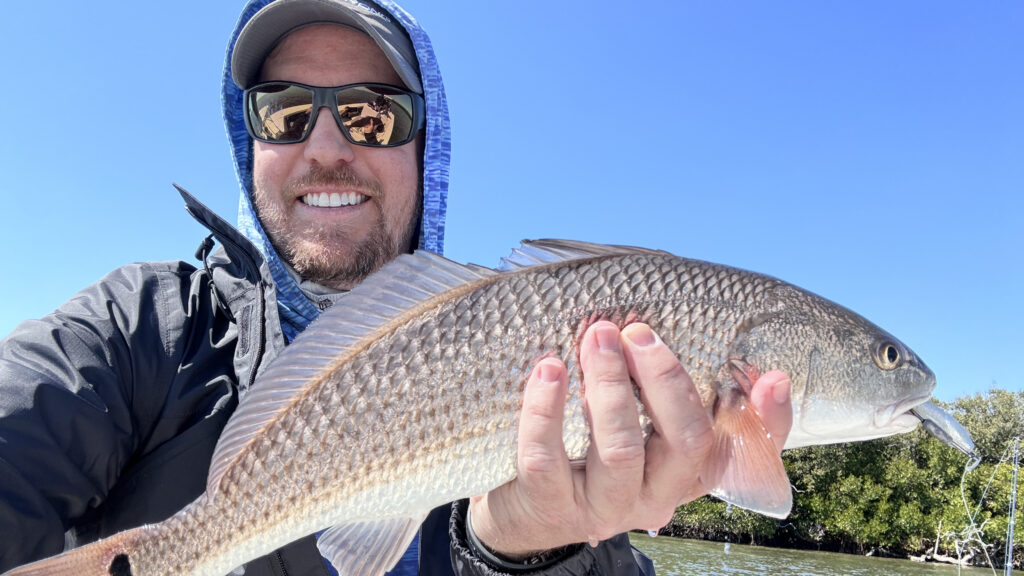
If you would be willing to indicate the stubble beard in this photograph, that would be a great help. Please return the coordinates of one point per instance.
(324, 254)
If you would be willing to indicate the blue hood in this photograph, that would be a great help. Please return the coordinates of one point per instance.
(296, 310)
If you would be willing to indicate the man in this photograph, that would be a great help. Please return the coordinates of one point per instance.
(110, 407)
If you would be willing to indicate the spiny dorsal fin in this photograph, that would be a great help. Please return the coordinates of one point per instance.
(396, 288)
(547, 251)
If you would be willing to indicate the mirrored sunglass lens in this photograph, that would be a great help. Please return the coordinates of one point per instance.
(376, 115)
(280, 112)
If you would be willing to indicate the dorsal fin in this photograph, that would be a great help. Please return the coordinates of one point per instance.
(547, 251)
(396, 288)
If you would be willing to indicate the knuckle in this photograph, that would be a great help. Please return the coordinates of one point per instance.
(541, 411)
(695, 438)
(607, 374)
(538, 460)
(666, 369)
(688, 432)
(622, 450)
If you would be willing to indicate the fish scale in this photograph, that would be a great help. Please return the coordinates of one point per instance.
(408, 394)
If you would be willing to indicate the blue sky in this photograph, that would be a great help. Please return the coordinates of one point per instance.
(872, 152)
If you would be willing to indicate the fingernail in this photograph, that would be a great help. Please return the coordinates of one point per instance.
(640, 334)
(780, 391)
(607, 339)
(549, 373)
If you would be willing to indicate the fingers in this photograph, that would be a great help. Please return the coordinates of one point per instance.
(615, 463)
(541, 453)
(529, 513)
(771, 398)
(627, 483)
(626, 479)
(682, 435)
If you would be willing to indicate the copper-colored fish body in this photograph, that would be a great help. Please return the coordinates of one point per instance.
(407, 396)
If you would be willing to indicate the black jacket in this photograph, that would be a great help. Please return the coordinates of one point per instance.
(110, 408)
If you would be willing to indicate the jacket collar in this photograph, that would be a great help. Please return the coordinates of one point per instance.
(239, 248)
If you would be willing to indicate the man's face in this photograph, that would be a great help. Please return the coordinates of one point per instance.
(379, 187)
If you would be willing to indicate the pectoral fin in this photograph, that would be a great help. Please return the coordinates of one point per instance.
(744, 467)
(368, 548)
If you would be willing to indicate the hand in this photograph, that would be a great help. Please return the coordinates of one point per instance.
(626, 484)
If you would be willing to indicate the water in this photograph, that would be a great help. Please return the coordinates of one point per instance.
(676, 557)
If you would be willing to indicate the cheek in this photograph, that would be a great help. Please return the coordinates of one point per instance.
(401, 170)
(270, 164)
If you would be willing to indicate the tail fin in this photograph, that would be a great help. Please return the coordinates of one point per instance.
(108, 557)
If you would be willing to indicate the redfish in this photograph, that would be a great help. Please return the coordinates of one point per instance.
(407, 394)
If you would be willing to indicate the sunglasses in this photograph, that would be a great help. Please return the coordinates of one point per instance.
(376, 115)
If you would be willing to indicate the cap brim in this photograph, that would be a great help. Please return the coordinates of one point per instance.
(263, 32)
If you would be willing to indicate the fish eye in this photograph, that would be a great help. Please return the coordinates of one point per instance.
(888, 356)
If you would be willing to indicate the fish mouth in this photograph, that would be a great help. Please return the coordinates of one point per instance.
(898, 417)
(846, 425)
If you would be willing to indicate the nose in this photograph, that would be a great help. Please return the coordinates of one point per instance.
(326, 145)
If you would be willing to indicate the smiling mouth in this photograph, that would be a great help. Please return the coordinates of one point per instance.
(334, 199)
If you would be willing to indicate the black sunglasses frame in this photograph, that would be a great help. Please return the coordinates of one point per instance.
(327, 97)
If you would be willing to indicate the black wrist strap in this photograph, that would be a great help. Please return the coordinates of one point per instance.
(533, 563)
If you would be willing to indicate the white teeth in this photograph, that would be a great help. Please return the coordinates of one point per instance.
(334, 199)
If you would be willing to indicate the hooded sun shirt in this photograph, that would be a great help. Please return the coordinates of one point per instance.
(296, 309)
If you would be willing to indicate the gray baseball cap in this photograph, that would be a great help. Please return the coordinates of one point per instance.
(275, 20)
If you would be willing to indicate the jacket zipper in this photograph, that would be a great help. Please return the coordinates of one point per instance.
(198, 211)
(261, 344)
(261, 340)
(280, 563)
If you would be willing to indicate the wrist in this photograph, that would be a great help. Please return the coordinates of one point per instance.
(514, 562)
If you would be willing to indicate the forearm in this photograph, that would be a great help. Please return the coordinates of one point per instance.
(61, 437)
(69, 410)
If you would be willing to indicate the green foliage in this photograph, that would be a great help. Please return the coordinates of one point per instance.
(710, 519)
(900, 495)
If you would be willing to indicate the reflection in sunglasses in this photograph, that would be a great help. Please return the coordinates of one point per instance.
(291, 122)
(369, 127)
(366, 114)
(280, 123)
(350, 112)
